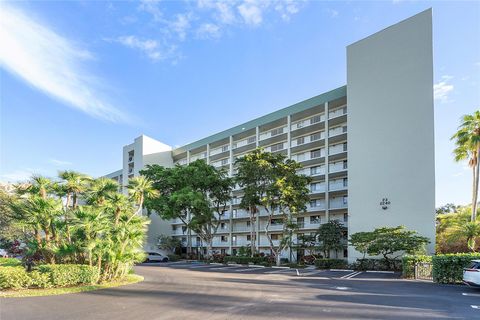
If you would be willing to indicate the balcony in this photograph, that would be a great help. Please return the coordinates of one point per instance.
(337, 131)
(276, 147)
(272, 133)
(221, 149)
(337, 148)
(244, 142)
(305, 156)
(337, 112)
(307, 139)
(336, 185)
(221, 163)
(240, 214)
(182, 162)
(317, 188)
(337, 166)
(198, 156)
(338, 203)
(308, 122)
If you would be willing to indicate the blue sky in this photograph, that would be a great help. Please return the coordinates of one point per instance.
(81, 79)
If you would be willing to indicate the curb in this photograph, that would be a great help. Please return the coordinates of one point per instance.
(374, 271)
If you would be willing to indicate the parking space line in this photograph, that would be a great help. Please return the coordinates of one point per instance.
(243, 270)
(351, 275)
(200, 266)
(279, 271)
(471, 294)
(475, 307)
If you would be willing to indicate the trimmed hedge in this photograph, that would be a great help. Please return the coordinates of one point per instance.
(409, 262)
(331, 263)
(48, 276)
(448, 268)
(64, 275)
(9, 262)
(377, 265)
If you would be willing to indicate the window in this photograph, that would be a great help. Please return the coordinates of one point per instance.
(234, 213)
(345, 200)
(345, 164)
(184, 229)
(276, 147)
(276, 222)
(316, 119)
(234, 252)
(222, 225)
(344, 129)
(276, 236)
(249, 237)
(276, 131)
(345, 253)
(344, 146)
(316, 187)
(224, 238)
(224, 161)
(234, 239)
(314, 219)
(174, 228)
(316, 170)
(315, 153)
(222, 251)
(225, 148)
(251, 140)
(345, 217)
(316, 136)
(345, 182)
(301, 222)
(300, 140)
(248, 223)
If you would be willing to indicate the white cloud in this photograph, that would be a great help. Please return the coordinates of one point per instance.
(60, 163)
(52, 64)
(442, 89)
(251, 13)
(333, 13)
(181, 24)
(208, 30)
(287, 8)
(151, 7)
(149, 47)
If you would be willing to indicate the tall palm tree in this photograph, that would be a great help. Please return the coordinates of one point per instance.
(119, 203)
(140, 188)
(467, 141)
(74, 184)
(100, 189)
(40, 185)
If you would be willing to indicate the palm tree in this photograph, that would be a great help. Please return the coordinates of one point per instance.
(467, 141)
(119, 203)
(140, 188)
(100, 189)
(469, 231)
(74, 184)
(40, 185)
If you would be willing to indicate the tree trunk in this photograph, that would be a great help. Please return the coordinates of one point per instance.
(475, 187)
(277, 258)
(252, 232)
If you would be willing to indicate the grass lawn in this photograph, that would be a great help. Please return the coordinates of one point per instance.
(129, 279)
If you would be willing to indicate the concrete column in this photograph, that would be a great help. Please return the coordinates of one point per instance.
(208, 153)
(230, 234)
(188, 156)
(327, 188)
(289, 138)
(257, 136)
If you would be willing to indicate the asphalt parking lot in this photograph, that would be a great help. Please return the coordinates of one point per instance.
(199, 291)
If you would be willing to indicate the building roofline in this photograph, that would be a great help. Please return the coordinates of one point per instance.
(297, 107)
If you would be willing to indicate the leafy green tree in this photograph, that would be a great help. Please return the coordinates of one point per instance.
(168, 243)
(387, 241)
(270, 181)
(330, 236)
(197, 194)
(467, 142)
(139, 188)
(448, 208)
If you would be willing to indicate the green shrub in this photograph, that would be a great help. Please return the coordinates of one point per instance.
(40, 280)
(409, 262)
(9, 262)
(377, 265)
(64, 275)
(448, 268)
(173, 257)
(14, 278)
(331, 263)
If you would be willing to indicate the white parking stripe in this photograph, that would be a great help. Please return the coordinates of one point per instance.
(475, 307)
(220, 268)
(280, 271)
(471, 294)
(200, 266)
(351, 275)
(243, 270)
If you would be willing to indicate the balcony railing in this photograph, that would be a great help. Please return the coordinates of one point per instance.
(272, 133)
(308, 122)
(337, 112)
(244, 142)
(336, 131)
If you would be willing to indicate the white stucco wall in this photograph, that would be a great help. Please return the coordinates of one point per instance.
(390, 129)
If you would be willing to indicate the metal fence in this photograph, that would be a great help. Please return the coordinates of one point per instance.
(423, 271)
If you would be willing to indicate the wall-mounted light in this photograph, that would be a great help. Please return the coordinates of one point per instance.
(384, 203)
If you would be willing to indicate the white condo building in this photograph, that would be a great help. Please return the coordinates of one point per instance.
(368, 146)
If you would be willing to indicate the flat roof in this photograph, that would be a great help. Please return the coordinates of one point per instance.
(297, 107)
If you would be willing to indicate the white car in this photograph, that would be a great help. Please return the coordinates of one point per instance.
(471, 274)
(3, 253)
(155, 257)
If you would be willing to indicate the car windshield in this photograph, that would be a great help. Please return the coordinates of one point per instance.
(474, 265)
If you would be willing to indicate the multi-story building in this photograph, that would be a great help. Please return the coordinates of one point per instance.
(368, 146)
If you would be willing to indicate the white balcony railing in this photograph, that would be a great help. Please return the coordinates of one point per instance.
(272, 133)
(221, 149)
(338, 203)
(308, 122)
(198, 156)
(337, 186)
(337, 112)
(309, 155)
(244, 142)
(337, 148)
(337, 130)
(307, 139)
(337, 166)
